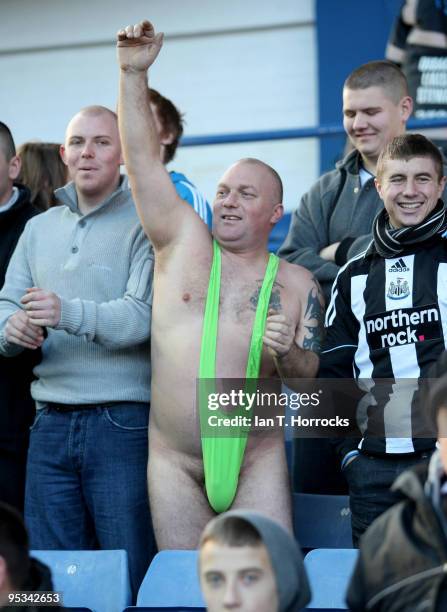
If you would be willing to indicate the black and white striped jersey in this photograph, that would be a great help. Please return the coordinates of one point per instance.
(387, 319)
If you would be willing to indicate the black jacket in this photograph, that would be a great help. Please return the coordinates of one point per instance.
(16, 405)
(402, 563)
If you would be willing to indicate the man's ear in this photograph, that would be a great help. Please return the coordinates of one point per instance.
(14, 167)
(406, 108)
(167, 137)
(63, 154)
(278, 212)
(378, 185)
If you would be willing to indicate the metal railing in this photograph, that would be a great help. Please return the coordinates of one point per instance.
(320, 131)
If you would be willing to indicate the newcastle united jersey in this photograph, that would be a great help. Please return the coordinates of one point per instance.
(387, 319)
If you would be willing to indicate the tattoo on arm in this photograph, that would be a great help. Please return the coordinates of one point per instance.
(314, 319)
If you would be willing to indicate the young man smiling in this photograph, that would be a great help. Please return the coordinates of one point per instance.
(79, 285)
(386, 321)
(334, 219)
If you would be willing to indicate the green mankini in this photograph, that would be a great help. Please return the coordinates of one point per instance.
(222, 456)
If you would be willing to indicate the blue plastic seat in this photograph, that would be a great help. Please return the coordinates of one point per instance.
(172, 583)
(329, 572)
(96, 580)
(322, 521)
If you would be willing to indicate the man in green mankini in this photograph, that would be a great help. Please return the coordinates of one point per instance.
(222, 309)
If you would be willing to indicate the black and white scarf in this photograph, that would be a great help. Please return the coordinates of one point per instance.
(390, 242)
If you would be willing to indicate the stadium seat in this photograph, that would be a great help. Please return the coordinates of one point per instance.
(171, 583)
(329, 571)
(322, 521)
(279, 233)
(96, 580)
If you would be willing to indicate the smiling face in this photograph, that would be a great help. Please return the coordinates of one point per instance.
(92, 153)
(371, 120)
(246, 206)
(237, 578)
(409, 189)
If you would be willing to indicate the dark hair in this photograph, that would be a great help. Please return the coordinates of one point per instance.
(276, 178)
(42, 171)
(14, 545)
(380, 73)
(7, 142)
(231, 531)
(408, 146)
(171, 120)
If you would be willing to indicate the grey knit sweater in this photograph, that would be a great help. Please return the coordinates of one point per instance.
(100, 265)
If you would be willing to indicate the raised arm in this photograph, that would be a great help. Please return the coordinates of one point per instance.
(162, 213)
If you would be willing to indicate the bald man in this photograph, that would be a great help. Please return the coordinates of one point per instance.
(78, 286)
(191, 476)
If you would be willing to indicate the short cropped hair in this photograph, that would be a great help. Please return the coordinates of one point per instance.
(276, 178)
(7, 142)
(382, 74)
(233, 531)
(171, 120)
(408, 146)
(96, 109)
(14, 545)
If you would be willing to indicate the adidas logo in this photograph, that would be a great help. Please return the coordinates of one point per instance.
(399, 266)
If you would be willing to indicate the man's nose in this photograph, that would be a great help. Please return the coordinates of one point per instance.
(88, 150)
(231, 199)
(231, 599)
(359, 122)
(410, 188)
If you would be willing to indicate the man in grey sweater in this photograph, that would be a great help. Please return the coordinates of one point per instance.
(78, 286)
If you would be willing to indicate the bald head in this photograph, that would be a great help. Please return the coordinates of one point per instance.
(276, 182)
(92, 111)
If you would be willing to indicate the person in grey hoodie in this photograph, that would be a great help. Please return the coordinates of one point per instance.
(250, 563)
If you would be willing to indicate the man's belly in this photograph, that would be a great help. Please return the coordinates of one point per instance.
(175, 420)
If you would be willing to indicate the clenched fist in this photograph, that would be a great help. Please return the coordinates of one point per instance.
(138, 46)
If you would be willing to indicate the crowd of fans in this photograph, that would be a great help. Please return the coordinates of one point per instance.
(116, 297)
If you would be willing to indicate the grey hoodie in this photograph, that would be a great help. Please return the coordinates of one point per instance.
(285, 557)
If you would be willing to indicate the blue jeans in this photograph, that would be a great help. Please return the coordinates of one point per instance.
(369, 479)
(86, 484)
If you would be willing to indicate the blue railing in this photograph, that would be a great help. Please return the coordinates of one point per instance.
(320, 131)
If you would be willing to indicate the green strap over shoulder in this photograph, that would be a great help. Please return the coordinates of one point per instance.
(223, 456)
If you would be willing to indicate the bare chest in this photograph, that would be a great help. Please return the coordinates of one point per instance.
(239, 294)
